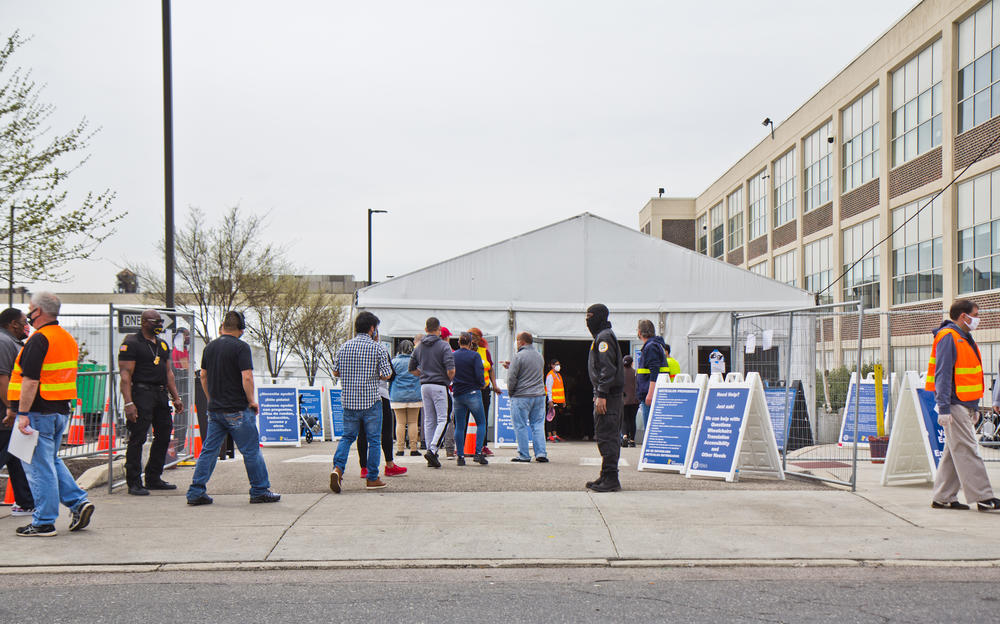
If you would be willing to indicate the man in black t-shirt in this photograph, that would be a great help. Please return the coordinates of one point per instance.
(146, 377)
(227, 379)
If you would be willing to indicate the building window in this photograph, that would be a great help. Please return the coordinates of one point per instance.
(786, 267)
(915, 358)
(861, 283)
(916, 252)
(702, 226)
(817, 159)
(718, 231)
(784, 189)
(979, 63)
(818, 265)
(979, 233)
(734, 208)
(859, 125)
(758, 205)
(916, 105)
(760, 268)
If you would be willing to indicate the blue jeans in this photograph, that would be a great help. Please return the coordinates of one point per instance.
(528, 414)
(243, 427)
(464, 404)
(643, 416)
(371, 420)
(50, 481)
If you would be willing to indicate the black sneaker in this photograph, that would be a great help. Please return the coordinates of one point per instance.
(591, 484)
(400, 453)
(990, 504)
(266, 497)
(42, 530)
(432, 460)
(951, 505)
(81, 517)
(460, 461)
(542, 460)
(606, 486)
(414, 453)
(138, 490)
(520, 460)
(159, 485)
(204, 499)
(480, 459)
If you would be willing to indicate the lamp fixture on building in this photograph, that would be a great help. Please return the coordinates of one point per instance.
(661, 191)
(767, 122)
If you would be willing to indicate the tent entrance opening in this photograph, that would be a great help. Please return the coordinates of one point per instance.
(577, 421)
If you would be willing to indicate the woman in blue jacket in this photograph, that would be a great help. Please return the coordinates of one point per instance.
(404, 397)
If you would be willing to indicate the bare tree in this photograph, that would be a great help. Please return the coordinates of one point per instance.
(322, 327)
(219, 267)
(276, 303)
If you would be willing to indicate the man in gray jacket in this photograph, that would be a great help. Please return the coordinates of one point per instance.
(526, 386)
(434, 362)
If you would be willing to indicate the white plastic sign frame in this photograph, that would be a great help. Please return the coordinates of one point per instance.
(685, 431)
(910, 456)
(754, 449)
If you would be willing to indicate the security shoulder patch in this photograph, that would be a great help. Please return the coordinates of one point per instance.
(124, 347)
(163, 345)
(602, 347)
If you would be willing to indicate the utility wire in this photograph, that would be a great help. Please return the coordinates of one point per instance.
(919, 210)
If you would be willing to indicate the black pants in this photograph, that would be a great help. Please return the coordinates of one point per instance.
(153, 409)
(628, 421)
(18, 480)
(607, 432)
(388, 426)
(487, 394)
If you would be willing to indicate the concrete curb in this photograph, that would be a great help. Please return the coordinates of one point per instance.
(98, 475)
(403, 564)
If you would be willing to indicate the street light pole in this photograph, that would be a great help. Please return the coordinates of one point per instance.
(10, 267)
(168, 161)
(370, 213)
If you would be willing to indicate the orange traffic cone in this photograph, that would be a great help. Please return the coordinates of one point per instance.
(76, 430)
(470, 436)
(105, 441)
(8, 498)
(196, 438)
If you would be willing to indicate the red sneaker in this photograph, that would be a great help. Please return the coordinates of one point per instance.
(395, 471)
(487, 452)
(364, 473)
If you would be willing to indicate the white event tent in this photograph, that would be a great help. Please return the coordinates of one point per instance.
(543, 281)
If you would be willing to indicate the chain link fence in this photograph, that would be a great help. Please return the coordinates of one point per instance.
(809, 359)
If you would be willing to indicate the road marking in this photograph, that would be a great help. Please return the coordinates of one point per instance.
(596, 461)
(309, 459)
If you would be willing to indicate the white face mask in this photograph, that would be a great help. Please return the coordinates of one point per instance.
(557, 368)
(973, 322)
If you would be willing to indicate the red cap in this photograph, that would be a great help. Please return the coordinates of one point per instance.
(445, 334)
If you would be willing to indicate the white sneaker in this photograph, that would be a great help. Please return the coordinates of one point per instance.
(17, 510)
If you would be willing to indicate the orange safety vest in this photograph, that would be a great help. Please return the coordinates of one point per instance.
(486, 364)
(968, 367)
(558, 390)
(58, 378)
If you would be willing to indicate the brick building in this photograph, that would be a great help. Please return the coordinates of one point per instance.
(878, 144)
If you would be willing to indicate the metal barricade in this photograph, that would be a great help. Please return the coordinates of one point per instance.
(97, 425)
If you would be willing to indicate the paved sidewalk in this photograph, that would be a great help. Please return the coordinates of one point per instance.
(793, 524)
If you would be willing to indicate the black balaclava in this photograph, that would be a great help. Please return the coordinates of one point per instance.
(598, 318)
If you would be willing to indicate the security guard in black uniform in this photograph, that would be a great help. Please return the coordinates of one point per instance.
(607, 375)
(146, 377)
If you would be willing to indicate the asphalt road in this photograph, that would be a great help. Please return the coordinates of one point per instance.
(551, 596)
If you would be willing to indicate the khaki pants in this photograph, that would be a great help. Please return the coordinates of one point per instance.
(407, 416)
(961, 465)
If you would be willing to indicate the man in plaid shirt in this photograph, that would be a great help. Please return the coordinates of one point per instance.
(359, 364)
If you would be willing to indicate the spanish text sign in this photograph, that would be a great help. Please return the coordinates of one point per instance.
(278, 416)
(336, 412)
(673, 417)
(721, 426)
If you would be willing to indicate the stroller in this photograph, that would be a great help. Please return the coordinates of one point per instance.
(309, 426)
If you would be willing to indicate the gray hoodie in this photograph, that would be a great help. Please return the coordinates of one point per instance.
(524, 377)
(434, 358)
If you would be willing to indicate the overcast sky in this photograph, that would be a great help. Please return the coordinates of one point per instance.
(470, 122)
